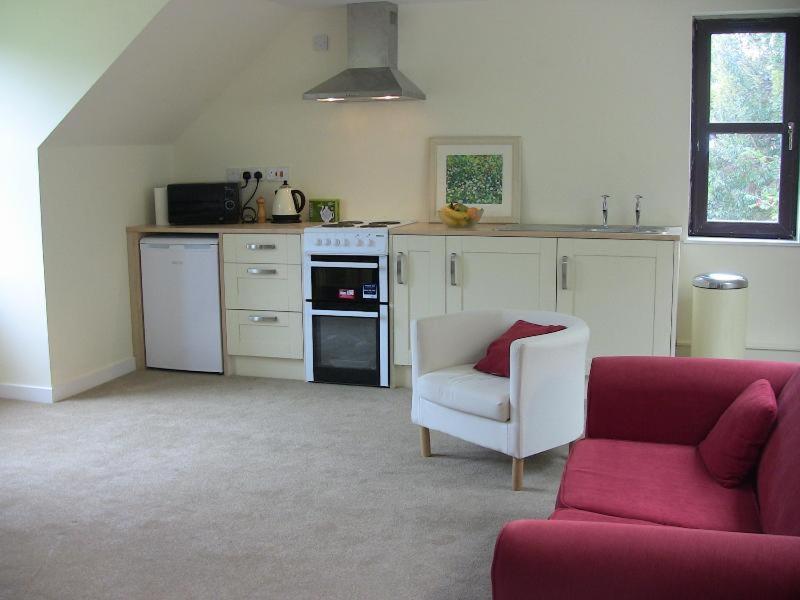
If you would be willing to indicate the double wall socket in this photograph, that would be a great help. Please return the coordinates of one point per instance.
(235, 173)
(270, 173)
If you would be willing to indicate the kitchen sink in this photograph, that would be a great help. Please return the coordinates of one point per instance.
(650, 229)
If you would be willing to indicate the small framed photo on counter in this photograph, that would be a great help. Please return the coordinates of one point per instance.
(324, 210)
(484, 172)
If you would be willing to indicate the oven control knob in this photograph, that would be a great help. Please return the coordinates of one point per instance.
(360, 242)
(327, 242)
(338, 242)
(346, 242)
(318, 242)
(371, 243)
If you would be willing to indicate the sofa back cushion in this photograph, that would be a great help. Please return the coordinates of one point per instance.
(778, 472)
(731, 449)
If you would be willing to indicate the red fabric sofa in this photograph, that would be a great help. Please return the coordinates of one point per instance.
(638, 514)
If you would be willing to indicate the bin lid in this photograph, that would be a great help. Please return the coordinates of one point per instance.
(720, 281)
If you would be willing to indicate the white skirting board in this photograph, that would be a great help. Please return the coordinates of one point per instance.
(68, 389)
(29, 393)
(93, 379)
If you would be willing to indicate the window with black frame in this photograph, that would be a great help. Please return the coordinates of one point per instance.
(744, 128)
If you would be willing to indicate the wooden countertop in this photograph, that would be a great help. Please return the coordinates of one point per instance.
(490, 230)
(481, 229)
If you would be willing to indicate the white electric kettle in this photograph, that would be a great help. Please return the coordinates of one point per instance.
(287, 205)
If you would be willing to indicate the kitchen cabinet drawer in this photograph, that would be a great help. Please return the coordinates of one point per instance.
(266, 334)
(261, 248)
(259, 286)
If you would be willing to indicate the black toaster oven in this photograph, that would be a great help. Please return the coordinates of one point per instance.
(203, 203)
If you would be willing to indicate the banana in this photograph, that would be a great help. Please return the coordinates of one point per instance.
(454, 218)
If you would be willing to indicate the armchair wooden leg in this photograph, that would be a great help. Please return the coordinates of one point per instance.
(425, 441)
(517, 466)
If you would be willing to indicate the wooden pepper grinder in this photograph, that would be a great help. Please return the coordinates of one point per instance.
(261, 215)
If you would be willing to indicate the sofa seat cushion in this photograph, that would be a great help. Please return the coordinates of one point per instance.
(574, 514)
(666, 484)
(464, 389)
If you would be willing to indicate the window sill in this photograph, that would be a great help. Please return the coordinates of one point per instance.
(712, 241)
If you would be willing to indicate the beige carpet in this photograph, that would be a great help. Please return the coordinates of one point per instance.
(169, 485)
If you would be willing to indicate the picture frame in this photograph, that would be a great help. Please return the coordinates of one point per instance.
(319, 208)
(480, 171)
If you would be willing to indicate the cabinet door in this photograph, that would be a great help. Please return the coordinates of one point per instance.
(501, 272)
(623, 290)
(418, 286)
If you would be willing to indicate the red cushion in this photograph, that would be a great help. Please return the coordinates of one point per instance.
(661, 483)
(778, 472)
(731, 448)
(498, 355)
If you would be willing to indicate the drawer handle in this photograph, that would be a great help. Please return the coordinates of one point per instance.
(254, 271)
(260, 319)
(260, 246)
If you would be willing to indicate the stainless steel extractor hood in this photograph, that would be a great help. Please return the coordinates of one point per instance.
(372, 72)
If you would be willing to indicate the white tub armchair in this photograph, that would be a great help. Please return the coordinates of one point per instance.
(541, 406)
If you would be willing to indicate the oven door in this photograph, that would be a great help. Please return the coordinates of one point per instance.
(341, 282)
(350, 347)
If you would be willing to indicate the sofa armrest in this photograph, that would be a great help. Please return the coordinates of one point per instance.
(567, 559)
(547, 389)
(667, 399)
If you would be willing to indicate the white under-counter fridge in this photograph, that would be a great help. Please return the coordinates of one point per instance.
(180, 302)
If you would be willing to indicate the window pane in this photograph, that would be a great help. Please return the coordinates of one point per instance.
(747, 77)
(744, 176)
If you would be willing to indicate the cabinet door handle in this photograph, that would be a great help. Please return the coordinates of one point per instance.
(790, 127)
(254, 271)
(400, 259)
(260, 246)
(453, 256)
(564, 263)
(260, 319)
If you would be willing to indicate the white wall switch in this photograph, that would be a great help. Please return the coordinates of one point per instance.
(321, 41)
(277, 174)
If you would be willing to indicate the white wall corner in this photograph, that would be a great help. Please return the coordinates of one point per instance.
(92, 379)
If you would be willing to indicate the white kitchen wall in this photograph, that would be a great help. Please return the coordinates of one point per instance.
(50, 53)
(89, 195)
(599, 91)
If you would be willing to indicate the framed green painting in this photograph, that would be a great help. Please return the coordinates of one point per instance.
(484, 172)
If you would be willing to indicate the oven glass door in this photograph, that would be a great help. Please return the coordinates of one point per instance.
(347, 349)
(345, 283)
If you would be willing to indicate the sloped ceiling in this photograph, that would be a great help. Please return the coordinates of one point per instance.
(183, 58)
